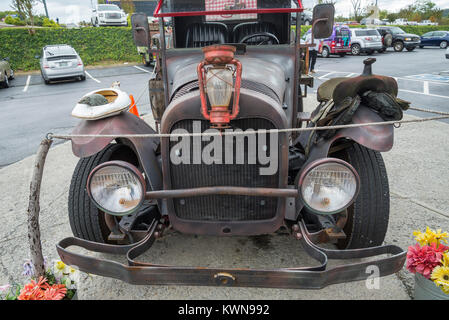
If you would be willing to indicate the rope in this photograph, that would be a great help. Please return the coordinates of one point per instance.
(443, 115)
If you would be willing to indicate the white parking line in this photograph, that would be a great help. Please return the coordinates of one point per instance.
(142, 69)
(88, 74)
(326, 75)
(426, 87)
(426, 94)
(27, 84)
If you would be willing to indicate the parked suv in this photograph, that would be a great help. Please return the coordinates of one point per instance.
(6, 73)
(108, 15)
(365, 40)
(397, 38)
(61, 62)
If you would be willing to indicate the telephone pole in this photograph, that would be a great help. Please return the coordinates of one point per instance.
(45, 6)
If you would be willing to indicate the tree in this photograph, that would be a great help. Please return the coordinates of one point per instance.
(357, 7)
(25, 9)
(128, 6)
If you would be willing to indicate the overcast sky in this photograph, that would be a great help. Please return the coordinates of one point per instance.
(78, 10)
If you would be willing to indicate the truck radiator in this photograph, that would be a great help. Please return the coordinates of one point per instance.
(220, 207)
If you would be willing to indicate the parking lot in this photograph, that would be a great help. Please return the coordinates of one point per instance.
(422, 75)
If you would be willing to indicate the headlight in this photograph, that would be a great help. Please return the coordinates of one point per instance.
(116, 187)
(329, 186)
(220, 83)
(408, 39)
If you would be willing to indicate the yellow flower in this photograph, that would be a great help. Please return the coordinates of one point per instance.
(429, 237)
(60, 266)
(440, 276)
(445, 260)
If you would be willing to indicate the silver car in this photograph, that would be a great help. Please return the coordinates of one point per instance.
(365, 40)
(59, 62)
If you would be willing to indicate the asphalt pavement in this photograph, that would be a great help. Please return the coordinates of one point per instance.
(30, 109)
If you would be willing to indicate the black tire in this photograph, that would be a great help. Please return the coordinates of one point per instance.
(83, 78)
(86, 220)
(398, 46)
(370, 52)
(356, 49)
(11, 74)
(325, 53)
(421, 47)
(368, 216)
(410, 49)
(342, 55)
(6, 82)
(443, 44)
(381, 50)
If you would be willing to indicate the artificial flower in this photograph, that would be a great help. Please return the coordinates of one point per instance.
(445, 260)
(34, 290)
(28, 268)
(430, 236)
(440, 276)
(55, 292)
(424, 259)
(5, 287)
(59, 268)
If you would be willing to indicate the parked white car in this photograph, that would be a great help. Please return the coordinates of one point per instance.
(401, 22)
(108, 15)
(427, 23)
(365, 40)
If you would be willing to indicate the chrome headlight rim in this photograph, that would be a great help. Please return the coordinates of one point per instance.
(317, 163)
(125, 165)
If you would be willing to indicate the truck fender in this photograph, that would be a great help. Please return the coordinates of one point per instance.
(122, 124)
(378, 138)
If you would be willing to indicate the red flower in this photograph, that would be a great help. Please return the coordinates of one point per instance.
(424, 259)
(41, 290)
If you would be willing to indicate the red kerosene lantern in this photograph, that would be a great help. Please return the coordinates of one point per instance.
(219, 74)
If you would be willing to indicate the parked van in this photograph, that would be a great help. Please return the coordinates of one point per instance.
(339, 43)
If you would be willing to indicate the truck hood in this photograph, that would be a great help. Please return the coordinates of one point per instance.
(255, 70)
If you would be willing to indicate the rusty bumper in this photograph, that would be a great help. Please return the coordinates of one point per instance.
(315, 277)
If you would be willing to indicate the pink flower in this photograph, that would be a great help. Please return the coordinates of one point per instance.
(424, 259)
(5, 287)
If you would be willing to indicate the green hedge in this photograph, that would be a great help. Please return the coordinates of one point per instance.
(92, 44)
(419, 30)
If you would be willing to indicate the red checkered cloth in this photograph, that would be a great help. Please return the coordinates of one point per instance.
(218, 5)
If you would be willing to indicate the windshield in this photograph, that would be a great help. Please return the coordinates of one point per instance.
(224, 9)
(396, 30)
(108, 7)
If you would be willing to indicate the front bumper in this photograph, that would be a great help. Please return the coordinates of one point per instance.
(113, 22)
(410, 44)
(316, 277)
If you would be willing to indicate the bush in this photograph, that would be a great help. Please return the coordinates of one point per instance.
(92, 44)
(49, 23)
(14, 21)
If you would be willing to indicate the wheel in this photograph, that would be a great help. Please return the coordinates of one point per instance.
(368, 216)
(443, 44)
(6, 81)
(421, 47)
(355, 49)
(47, 81)
(83, 78)
(97, 24)
(381, 50)
(325, 53)
(370, 52)
(86, 220)
(11, 74)
(398, 46)
(410, 49)
(342, 55)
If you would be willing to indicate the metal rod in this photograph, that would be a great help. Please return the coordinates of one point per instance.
(238, 191)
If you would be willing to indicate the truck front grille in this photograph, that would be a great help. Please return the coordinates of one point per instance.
(220, 207)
